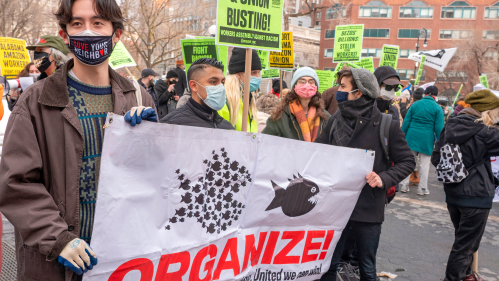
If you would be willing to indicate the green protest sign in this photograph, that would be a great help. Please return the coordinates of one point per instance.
(484, 81)
(264, 58)
(223, 55)
(325, 80)
(353, 65)
(250, 24)
(338, 67)
(270, 73)
(120, 57)
(367, 63)
(194, 49)
(389, 56)
(420, 71)
(457, 95)
(348, 43)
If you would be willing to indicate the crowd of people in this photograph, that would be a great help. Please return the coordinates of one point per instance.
(51, 151)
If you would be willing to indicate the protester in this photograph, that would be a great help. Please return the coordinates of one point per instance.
(181, 84)
(276, 86)
(476, 132)
(266, 105)
(422, 126)
(51, 52)
(329, 98)
(234, 84)
(206, 81)
(301, 115)
(460, 106)
(167, 97)
(148, 81)
(414, 178)
(446, 109)
(29, 70)
(53, 143)
(357, 125)
(389, 83)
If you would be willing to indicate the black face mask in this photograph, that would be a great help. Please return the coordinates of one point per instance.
(91, 50)
(42, 61)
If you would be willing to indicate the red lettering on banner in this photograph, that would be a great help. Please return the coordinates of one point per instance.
(145, 266)
(250, 253)
(223, 264)
(327, 243)
(309, 245)
(269, 250)
(282, 257)
(184, 258)
(210, 251)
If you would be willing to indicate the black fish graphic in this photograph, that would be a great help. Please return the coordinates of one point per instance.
(297, 199)
(187, 198)
(180, 212)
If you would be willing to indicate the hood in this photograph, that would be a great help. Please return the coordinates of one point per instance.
(461, 128)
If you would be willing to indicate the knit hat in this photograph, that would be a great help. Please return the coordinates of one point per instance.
(387, 75)
(366, 82)
(418, 94)
(482, 100)
(52, 41)
(276, 85)
(431, 90)
(171, 74)
(405, 94)
(238, 58)
(302, 72)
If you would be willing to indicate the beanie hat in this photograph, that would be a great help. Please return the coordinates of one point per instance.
(302, 72)
(418, 94)
(482, 100)
(171, 74)
(405, 94)
(276, 85)
(366, 82)
(387, 75)
(238, 59)
(431, 90)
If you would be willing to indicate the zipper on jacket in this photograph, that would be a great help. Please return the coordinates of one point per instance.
(296, 129)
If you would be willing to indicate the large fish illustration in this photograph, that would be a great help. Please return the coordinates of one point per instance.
(299, 198)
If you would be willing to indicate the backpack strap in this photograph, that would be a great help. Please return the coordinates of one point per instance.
(384, 134)
(477, 164)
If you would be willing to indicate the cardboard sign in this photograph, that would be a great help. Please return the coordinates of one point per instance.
(194, 49)
(484, 81)
(222, 211)
(120, 57)
(285, 58)
(436, 59)
(250, 24)
(348, 43)
(13, 56)
(270, 73)
(223, 57)
(264, 58)
(420, 70)
(389, 56)
(325, 80)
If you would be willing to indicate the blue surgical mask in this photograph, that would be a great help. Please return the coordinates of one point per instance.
(341, 96)
(154, 81)
(215, 96)
(254, 83)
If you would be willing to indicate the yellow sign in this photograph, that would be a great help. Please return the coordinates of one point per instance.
(285, 58)
(13, 56)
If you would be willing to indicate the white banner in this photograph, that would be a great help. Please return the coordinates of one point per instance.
(186, 203)
(437, 59)
(427, 85)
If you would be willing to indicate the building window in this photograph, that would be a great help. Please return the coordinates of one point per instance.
(490, 34)
(412, 33)
(300, 23)
(492, 12)
(404, 53)
(384, 33)
(329, 68)
(453, 76)
(458, 10)
(456, 34)
(375, 9)
(318, 15)
(328, 53)
(371, 52)
(330, 33)
(406, 74)
(334, 11)
(416, 9)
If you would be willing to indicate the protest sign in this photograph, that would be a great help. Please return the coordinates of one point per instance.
(348, 43)
(420, 70)
(224, 210)
(120, 57)
(264, 58)
(352, 65)
(284, 58)
(270, 73)
(366, 63)
(436, 59)
(427, 85)
(194, 49)
(338, 67)
(250, 24)
(223, 57)
(325, 80)
(457, 95)
(389, 56)
(484, 81)
(13, 56)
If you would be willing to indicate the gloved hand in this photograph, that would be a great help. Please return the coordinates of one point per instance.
(78, 256)
(137, 114)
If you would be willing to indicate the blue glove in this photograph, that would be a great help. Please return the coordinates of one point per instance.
(77, 256)
(137, 114)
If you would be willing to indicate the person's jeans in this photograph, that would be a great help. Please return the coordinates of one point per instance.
(423, 168)
(469, 225)
(366, 237)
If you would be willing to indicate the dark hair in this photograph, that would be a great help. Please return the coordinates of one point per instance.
(293, 97)
(201, 64)
(346, 72)
(25, 71)
(107, 9)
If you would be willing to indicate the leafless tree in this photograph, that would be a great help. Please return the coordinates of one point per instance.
(308, 8)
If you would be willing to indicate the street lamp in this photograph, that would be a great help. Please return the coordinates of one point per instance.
(422, 32)
(212, 30)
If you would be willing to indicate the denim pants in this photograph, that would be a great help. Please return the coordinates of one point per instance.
(366, 237)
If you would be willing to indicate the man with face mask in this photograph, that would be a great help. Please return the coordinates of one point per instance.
(148, 81)
(50, 54)
(51, 151)
(389, 83)
(206, 81)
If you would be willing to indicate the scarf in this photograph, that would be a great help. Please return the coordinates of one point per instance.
(383, 105)
(349, 112)
(309, 125)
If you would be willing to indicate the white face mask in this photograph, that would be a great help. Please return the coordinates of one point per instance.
(387, 95)
(88, 32)
(34, 75)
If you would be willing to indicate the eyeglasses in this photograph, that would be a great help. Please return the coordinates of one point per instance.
(303, 81)
(390, 87)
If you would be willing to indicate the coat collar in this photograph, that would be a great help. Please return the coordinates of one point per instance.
(55, 88)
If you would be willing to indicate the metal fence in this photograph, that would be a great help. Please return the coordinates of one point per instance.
(9, 264)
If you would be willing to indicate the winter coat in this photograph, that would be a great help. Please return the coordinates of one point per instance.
(252, 122)
(287, 126)
(150, 90)
(477, 142)
(404, 107)
(329, 98)
(184, 98)
(40, 171)
(181, 84)
(370, 206)
(164, 96)
(196, 115)
(422, 125)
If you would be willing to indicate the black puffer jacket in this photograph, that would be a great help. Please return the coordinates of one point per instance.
(477, 142)
(196, 115)
(161, 89)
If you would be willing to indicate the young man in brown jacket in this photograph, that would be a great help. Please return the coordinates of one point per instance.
(51, 151)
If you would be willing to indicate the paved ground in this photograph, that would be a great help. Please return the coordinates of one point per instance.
(416, 238)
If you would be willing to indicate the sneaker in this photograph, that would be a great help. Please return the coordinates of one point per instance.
(420, 192)
(347, 273)
(426, 191)
(404, 188)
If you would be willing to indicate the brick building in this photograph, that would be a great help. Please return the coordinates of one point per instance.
(397, 22)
